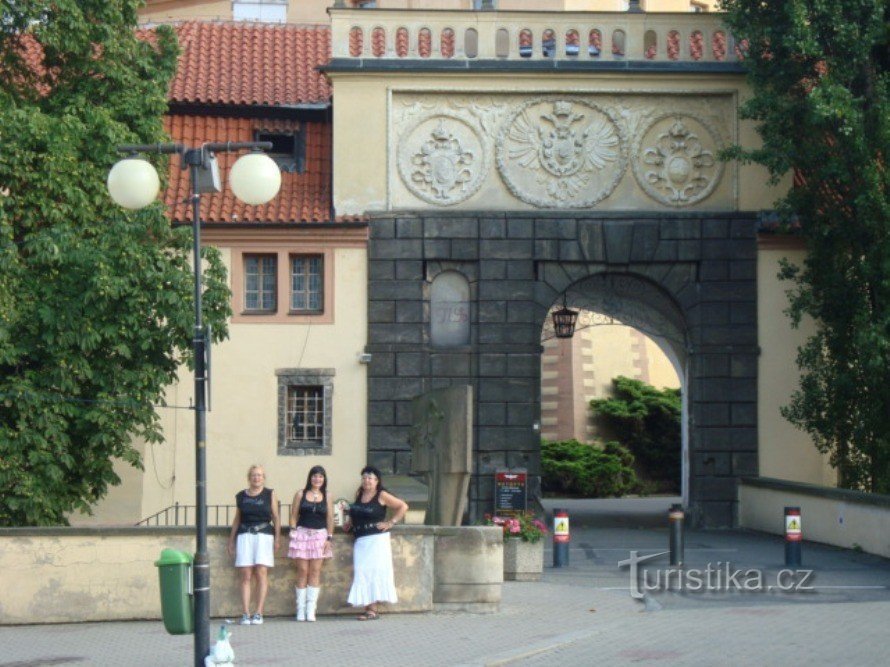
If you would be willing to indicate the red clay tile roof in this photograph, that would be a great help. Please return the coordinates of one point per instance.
(303, 197)
(251, 63)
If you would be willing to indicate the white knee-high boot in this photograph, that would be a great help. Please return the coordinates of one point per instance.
(311, 602)
(301, 603)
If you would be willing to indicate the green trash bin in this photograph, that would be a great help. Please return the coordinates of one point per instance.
(177, 603)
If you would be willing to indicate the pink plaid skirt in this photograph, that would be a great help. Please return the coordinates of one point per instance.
(308, 544)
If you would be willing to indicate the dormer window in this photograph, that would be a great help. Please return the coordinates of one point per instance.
(263, 11)
(288, 149)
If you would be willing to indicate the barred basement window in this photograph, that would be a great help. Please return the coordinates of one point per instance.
(307, 273)
(305, 415)
(260, 283)
(305, 398)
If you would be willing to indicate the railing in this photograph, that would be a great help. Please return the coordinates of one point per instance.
(217, 515)
(525, 36)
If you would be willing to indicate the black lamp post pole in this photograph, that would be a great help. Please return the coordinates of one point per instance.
(195, 159)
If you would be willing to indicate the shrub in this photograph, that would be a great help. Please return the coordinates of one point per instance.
(573, 468)
(646, 420)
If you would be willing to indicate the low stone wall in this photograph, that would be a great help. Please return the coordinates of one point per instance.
(61, 575)
(843, 518)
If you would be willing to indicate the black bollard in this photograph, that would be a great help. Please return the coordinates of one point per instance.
(560, 538)
(676, 519)
(793, 536)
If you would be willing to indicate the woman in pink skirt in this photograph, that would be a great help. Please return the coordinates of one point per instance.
(311, 532)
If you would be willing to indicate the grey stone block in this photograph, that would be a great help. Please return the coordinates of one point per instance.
(743, 229)
(688, 250)
(489, 463)
(743, 365)
(393, 438)
(465, 249)
(492, 311)
(396, 333)
(382, 364)
(667, 251)
(492, 414)
(381, 312)
(392, 389)
(409, 228)
(493, 269)
(520, 270)
(744, 414)
(382, 460)
(450, 228)
(590, 240)
(383, 229)
(505, 249)
(728, 291)
(404, 414)
(716, 488)
(744, 313)
(727, 335)
(409, 311)
(410, 364)
(523, 365)
(381, 413)
(506, 290)
(403, 463)
(492, 365)
(521, 414)
(492, 228)
(437, 249)
(520, 228)
(743, 269)
(680, 229)
(381, 269)
(618, 236)
(546, 249)
(710, 414)
(715, 229)
(711, 463)
(570, 251)
(521, 312)
(711, 365)
(395, 289)
(395, 249)
(409, 270)
(713, 270)
(645, 241)
(556, 228)
(506, 390)
(450, 365)
(744, 464)
(716, 514)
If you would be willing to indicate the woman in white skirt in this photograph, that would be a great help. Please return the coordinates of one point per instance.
(372, 580)
(311, 531)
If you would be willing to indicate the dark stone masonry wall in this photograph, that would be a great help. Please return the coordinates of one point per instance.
(518, 265)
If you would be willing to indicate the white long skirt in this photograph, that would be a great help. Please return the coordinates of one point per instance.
(372, 579)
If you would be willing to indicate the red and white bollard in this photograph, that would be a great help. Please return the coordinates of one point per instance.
(560, 538)
(793, 536)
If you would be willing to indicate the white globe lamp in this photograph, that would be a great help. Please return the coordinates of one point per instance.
(255, 178)
(133, 183)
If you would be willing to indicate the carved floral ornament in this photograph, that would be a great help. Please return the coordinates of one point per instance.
(442, 159)
(675, 162)
(561, 153)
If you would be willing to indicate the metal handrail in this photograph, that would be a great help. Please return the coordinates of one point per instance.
(217, 515)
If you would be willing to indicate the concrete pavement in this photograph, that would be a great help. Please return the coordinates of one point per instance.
(580, 615)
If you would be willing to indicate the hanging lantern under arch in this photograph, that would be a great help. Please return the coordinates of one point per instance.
(564, 320)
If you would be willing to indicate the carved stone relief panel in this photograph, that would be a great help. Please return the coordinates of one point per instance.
(675, 160)
(561, 151)
(442, 159)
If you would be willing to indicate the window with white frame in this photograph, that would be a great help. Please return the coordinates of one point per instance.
(264, 11)
(304, 410)
(307, 283)
(260, 283)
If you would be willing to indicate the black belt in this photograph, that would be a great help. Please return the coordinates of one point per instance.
(367, 526)
(254, 529)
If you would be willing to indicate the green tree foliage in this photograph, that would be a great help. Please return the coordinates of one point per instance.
(646, 420)
(573, 468)
(95, 303)
(818, 71)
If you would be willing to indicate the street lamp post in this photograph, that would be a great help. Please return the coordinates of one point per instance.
(133, 183)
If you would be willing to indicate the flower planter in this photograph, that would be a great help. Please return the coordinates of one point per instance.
(523, 561)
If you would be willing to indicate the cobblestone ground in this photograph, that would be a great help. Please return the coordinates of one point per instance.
(579, 615)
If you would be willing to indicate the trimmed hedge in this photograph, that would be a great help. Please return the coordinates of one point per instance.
(573, 468)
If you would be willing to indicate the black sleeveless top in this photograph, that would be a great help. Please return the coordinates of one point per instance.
(366, 516)
(255, 511)
(313, 515)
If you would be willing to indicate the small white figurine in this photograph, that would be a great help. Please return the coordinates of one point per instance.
(221, 655)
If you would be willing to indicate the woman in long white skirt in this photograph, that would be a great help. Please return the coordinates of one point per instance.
(373, 580)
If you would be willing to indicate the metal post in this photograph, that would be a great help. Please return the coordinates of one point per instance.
(195, 159)
(561, 538)
(676, 519)
(793, 536)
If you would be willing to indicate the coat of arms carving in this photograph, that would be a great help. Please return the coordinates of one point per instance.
(561, 153)
(442, 159)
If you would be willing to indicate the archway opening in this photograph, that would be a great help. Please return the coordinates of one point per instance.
(614, 399)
